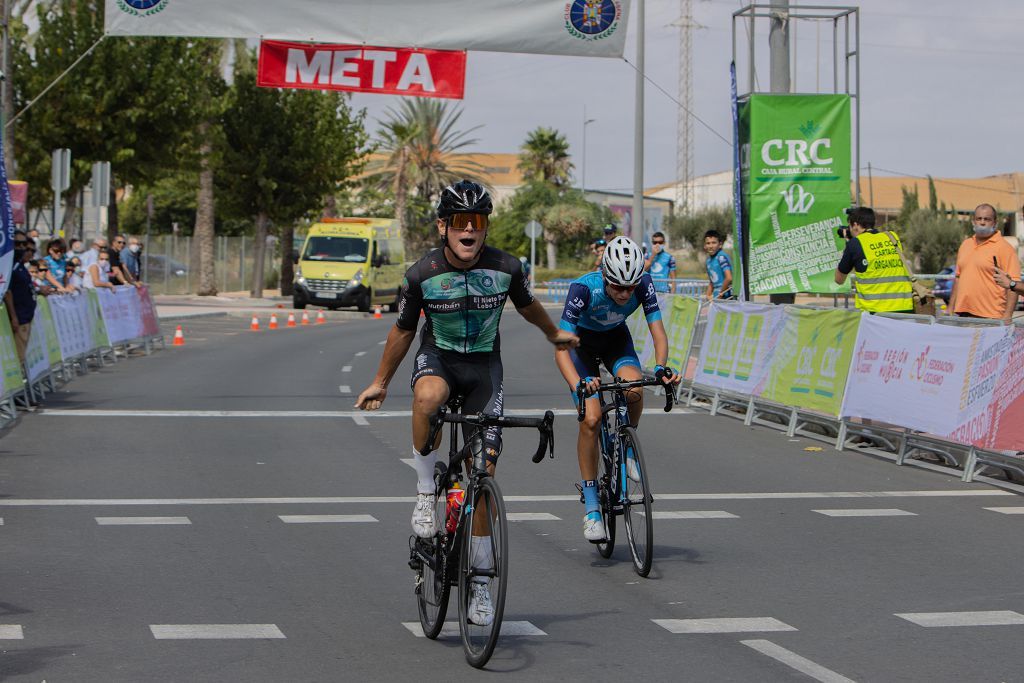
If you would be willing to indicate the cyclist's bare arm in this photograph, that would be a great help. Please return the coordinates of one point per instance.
(537, 316)
(397, 346)
(661, 350)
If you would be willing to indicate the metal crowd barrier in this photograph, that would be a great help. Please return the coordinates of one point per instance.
(556, 290)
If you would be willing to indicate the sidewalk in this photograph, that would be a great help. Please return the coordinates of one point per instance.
(238, 304)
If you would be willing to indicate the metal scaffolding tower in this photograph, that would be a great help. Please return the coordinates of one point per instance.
(684, 125)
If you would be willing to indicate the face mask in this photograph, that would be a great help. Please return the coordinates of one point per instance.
(984, 230)
(105, 266)
(134, 248)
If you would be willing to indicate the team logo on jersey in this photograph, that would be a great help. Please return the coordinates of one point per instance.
(592, 19)
(487, 281)
(576, 302)
(142, 8)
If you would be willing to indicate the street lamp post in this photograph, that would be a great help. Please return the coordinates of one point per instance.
(586, 122)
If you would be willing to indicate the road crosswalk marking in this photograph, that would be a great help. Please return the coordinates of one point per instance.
(1008, 510)
(945, 619)
(723, 625)
(325, 519)
(795, 661)
(127, 521)
(866, 512)
(693, 514)
(532, 517)
(11, 632)
(215, 631)
(451, 629)
(293, 414)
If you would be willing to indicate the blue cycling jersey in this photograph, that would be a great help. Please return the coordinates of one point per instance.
(716, 266)
(587, 305)
(662, 266)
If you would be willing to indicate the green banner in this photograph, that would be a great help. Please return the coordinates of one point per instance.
(680, 322)
(100, 340)
(812, 371)
(796, 185)
(44, 316)
(10, 365)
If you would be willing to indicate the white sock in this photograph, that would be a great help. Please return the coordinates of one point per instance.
(424, 465)
(482, 558)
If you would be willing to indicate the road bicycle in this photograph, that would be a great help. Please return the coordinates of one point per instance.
(619, 493)
(446, 560)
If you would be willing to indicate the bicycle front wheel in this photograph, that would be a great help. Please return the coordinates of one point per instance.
(483, 560)
(433, 582)
(636, 499)
(607, 495)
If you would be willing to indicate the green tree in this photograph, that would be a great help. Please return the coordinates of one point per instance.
(690, 227)
(544, 157)
(283, 152)
(909, 207)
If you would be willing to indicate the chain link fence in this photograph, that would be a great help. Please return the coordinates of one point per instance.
(171, 264)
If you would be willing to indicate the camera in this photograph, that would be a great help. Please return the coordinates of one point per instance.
(844, 230)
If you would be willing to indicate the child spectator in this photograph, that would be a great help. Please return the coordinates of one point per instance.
(719, 267)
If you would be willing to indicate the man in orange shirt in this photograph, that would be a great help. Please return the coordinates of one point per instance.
(975, 291)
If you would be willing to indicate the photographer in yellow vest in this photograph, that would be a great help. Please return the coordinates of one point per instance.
(882, 283)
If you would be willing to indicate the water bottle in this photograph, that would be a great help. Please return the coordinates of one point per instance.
(456, 497)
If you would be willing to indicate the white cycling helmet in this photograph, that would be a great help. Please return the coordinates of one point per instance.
(623, 262)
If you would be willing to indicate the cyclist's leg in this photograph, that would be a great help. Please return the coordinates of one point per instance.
(430, 390)
(626, 364)
(586, 359)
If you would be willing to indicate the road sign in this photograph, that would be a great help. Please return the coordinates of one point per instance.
(60, 173)
(534, 229)
(101, 183)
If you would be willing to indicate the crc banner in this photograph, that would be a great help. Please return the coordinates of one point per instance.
(796, 184)
(384, 70)
(740, 341)
(589, 28)
(810, 368)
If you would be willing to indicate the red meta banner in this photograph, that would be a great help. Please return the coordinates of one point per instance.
(359, 68)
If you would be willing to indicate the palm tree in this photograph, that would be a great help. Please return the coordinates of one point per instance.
(396, 140)
(544, 157)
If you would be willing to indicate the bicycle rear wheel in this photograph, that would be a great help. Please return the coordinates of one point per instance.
(636, 500)
(607, 498)
(479, 641)
(433, 581)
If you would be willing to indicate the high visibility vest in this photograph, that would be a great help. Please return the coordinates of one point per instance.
(885, 285)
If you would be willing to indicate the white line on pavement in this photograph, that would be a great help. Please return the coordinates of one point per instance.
(451, 629)
(1008, 511)
(532, 517)
(334, 500)
(382, 342)
(115, 521)
(939, 619)
(695, 514)
(11, 632)
(1, 521)
(346, 368)
(360, 420)
(345, 388)
(325, 519)
(726, 625)
(361, 353)
(214, 631)
(795, 661)
(408, 461)
(863, 512)
(291, 414)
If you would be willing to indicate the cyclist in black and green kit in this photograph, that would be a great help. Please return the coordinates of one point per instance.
(462, 288)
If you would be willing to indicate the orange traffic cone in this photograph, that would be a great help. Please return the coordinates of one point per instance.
(305, 318)
(376, 313)
(291, 320)
(255, 324)
(273, 321)
(179, 338)
(320, 318)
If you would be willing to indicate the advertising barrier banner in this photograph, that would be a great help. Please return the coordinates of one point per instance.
(94, 317)
(796, 185)
(739, 343)
(680, 316)
(71, 321)
(147, 313)
(37, 361)
(121, 313)
(10, 364)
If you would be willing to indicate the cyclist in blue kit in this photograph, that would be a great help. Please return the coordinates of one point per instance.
(596, 309)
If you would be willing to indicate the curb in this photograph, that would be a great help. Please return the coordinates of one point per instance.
(186, 316)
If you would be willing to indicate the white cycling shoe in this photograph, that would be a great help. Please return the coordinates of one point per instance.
(423, 515)
(593, 527)
(632, 467)
(481, 611)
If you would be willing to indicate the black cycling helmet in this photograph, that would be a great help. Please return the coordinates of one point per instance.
(464, 196)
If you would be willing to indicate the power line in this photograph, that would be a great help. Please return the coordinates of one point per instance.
(941, 180)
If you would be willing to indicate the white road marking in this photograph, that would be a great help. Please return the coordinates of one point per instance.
(382, 342)
(1, 521)
(345, 388)
(335, 500)
(346, 368)
(865, 512)
(291, 414)
(694, 514)
(532, 517)
(1008, 511)
(11, 632)
(409, 462)
(360, 420)
(939, 619)
(325, 519)
(214, 631)
(115, 521)
(727, 625)
(451, 629)
(795, 661)
(361, 353)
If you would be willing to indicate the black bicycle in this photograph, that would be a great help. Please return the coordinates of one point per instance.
(623, 486)
(447, 559)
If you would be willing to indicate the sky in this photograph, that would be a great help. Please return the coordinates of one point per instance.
(940, 83)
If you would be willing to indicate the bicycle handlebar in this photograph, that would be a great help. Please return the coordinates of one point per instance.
(621, 385)
(545, 425)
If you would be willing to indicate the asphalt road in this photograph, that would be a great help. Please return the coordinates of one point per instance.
(143, 537)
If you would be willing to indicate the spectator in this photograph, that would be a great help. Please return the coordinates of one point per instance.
(76, 248)
(98, 274)
(610, 231)
(598, 247)
(882, 281)
(91, 255)
(979, 260)
(19, 298)
(118, 274)
(73, 276)
(718, 266)
(130, 260)
(57, 263)
(661, 264)
(33, 235)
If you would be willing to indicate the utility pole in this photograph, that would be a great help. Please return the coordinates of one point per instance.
(778, 44)
(637, 222)
(583, 179)
(6, 87)
(684, 124)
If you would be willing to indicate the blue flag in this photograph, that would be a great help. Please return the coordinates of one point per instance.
(7, 227)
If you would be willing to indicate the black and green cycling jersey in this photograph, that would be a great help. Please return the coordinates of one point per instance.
(462, 307)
